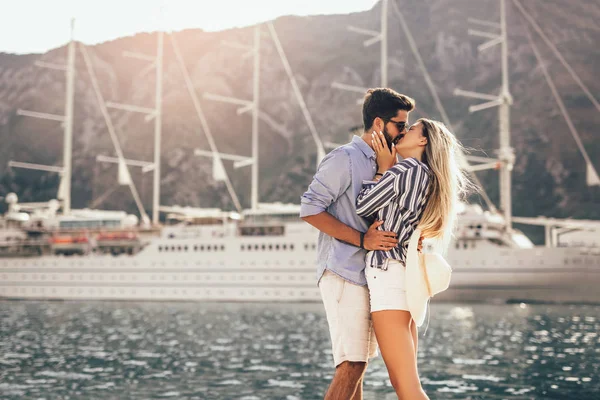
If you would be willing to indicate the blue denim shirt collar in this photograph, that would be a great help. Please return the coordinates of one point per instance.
(363, 146)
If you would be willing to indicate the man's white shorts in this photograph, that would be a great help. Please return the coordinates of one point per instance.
(349, 319)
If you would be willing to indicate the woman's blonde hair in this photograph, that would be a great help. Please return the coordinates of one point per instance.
(448, 182)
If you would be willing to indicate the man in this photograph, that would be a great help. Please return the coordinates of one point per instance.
(329, 204)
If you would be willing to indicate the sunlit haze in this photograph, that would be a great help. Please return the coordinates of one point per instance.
(33, 26)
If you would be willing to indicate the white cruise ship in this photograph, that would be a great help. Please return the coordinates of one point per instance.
(270, 255)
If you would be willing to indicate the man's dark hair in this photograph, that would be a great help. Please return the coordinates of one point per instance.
(385, 104)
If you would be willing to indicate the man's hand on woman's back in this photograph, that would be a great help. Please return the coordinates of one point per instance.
(379, 240)
(383, 240)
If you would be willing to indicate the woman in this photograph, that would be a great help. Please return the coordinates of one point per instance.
(420, 192)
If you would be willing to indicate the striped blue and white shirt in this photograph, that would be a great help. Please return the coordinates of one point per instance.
(399, 199)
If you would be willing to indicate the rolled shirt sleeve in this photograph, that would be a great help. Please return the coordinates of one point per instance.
(374, 197)
(332, 179)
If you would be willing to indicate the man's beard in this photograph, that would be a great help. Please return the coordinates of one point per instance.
(388, 139)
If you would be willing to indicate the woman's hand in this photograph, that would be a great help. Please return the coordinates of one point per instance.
(385, 158)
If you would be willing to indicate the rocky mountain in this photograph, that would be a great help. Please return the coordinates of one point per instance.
(548, 177)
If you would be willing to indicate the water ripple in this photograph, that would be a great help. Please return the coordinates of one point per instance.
(260, 351)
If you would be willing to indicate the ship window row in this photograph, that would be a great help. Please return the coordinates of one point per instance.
(107, 223)
(266, 247)
(208, 247)
(101, 293)
(310, 246)
(464, 244)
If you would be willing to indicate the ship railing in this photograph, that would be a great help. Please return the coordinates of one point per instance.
(555, 227)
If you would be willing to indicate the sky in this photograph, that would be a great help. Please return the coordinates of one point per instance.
(35, 26)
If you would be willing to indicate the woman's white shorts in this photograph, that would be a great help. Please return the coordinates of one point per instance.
(387, 288)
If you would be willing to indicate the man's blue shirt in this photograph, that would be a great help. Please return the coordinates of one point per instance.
(334, 189)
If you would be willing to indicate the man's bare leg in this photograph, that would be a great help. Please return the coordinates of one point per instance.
(358, 395)
(346, 380)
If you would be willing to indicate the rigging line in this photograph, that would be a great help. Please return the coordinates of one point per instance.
(559, 101)
(203, 122)
(100, 199)
(111, 130)
(417, 55)
(297, 92)
(437, 101)
(557, 53)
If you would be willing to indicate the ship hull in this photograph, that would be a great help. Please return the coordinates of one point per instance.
(284, 270)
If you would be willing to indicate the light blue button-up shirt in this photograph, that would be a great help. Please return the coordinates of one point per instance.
(334, 189)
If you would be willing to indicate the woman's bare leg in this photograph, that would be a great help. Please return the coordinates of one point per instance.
(415, 335)
(393, 331)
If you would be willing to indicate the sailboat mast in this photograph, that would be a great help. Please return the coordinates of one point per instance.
(506, 153)
(375, 36)
(384, 34)
(157, 128)
(255, 111)
(68, 124)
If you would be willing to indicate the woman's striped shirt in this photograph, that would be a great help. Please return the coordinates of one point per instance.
(398, 199)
